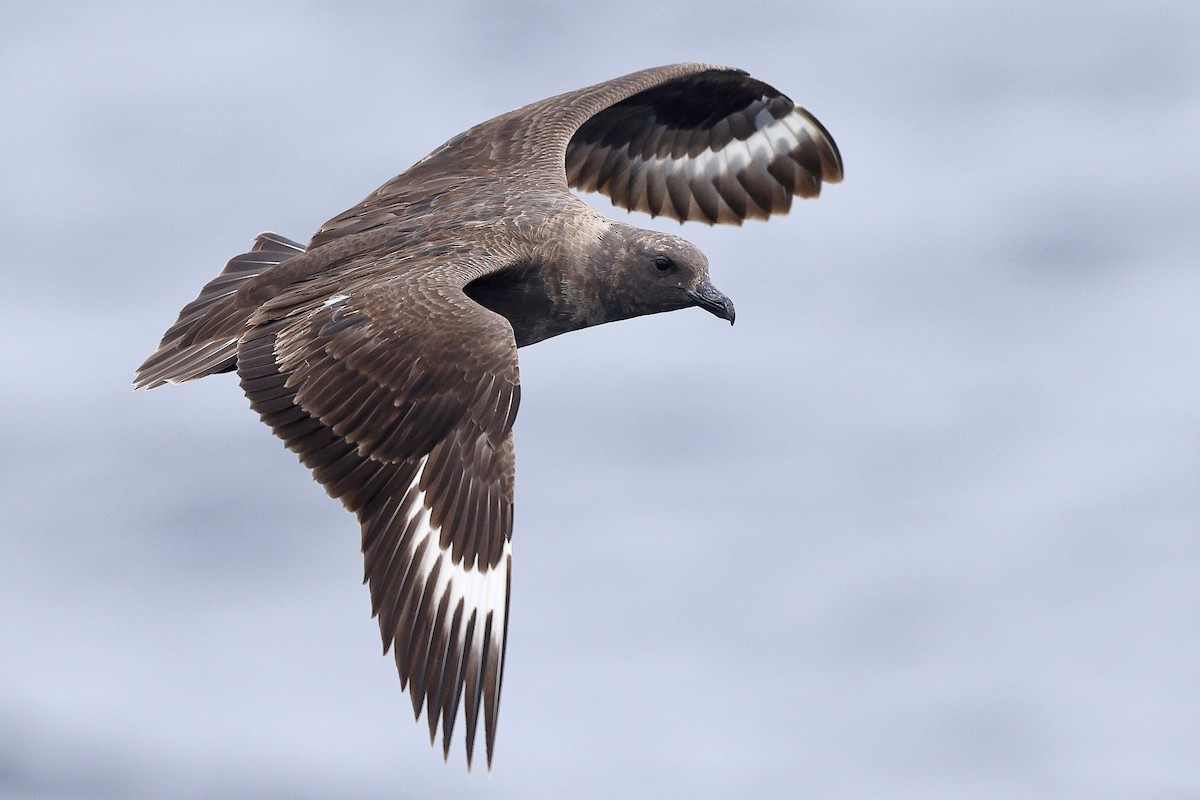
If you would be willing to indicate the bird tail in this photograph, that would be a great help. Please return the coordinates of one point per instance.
(204, 339)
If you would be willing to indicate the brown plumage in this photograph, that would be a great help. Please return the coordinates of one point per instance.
(385, 352)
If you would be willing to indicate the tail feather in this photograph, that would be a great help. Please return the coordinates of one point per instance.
(204, 339)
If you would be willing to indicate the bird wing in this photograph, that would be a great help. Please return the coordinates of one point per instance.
(400, 394)
(713, 145)
(688, 141)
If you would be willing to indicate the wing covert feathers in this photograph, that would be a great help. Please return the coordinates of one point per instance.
(411, 428)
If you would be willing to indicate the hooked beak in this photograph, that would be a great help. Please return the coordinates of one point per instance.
(711, 300)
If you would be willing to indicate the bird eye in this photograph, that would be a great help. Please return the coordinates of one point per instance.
(663, 264)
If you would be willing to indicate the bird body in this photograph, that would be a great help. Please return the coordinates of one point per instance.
(384, 353)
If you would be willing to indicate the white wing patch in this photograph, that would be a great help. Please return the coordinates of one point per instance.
(460, 608)
(773, 138)
(745, 178)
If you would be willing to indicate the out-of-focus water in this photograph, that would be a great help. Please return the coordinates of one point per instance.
(924, 524)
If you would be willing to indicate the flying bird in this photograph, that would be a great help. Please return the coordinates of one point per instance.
(384, 352)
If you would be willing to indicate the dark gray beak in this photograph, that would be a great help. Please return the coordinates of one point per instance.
(711, 300)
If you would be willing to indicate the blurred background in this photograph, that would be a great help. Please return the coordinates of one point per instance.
(924, 524)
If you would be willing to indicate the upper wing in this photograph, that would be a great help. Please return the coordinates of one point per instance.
(714, 146)
(400, 395)
(690, 141)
